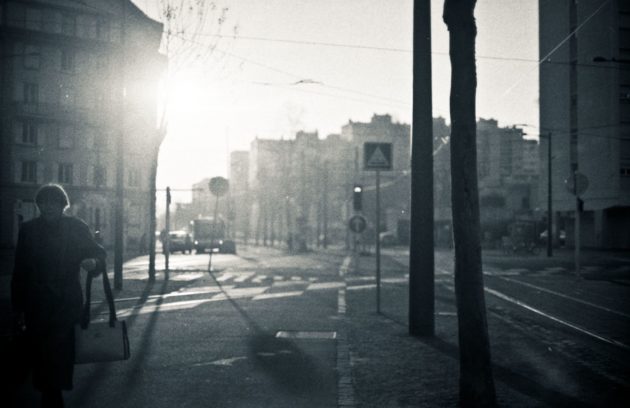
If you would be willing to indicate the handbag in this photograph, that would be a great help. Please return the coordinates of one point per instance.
(96, 342)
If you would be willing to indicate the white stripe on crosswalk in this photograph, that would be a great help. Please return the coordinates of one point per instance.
(278, 295)
(243, 277)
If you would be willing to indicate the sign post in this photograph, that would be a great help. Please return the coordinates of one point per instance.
(357, 224)
(167, 235)
(378, 156)
(218, 186)
(577, 183)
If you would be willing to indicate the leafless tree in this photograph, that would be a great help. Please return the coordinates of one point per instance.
(192, 32)
(476, 381)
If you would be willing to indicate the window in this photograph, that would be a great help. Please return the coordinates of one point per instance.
(134, 177)
(15, 14)
(64, 174)
(30, 132)
(66, 96)
(68, 24)
(29, 171)
(86, 27)
(52, 22)
(100, 175)
(30, 92)
(32, 55)
(33, 19)
(25, 132)
(67, 60)
(102, 29)
(66, 137)
(89, 136)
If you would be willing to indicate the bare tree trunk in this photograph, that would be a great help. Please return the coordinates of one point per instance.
(152, 220)
(476, 381)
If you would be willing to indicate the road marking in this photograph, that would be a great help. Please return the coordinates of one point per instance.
(225, 276)
(187, 276)
(278, 295)
(239, 293)
(584, 302)
(244, 276)
(325, 335)
(221, 362)
(360, 278)
(556, 319)
(164, 307)
(361, 287)
(193, 291)
(341, 302)
(325, 285)
(395, 280)
(259, 278)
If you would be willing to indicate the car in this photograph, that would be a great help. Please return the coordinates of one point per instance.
(388, 238)
(562, 237)
(179, 240)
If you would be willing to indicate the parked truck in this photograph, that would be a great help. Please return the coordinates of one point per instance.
(209, 234)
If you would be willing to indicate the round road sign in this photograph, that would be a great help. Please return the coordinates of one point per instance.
(576, 183)
(357, 223)
(218, 186)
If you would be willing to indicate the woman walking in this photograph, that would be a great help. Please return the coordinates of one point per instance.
(46, 292)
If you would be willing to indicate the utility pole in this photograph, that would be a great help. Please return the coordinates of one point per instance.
(120, 166)
(325, 204)
(167, 236)
(152, 208)
(421, 257)
(378, 241)
(549, 200)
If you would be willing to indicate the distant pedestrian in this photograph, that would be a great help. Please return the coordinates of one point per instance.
(46, 292)
(143, 244)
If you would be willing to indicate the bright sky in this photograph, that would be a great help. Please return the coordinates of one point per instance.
(278, 76)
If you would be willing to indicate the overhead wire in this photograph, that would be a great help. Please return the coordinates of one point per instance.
(299, 77)
(557, 47)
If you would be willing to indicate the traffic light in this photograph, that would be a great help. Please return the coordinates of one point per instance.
(357, 203)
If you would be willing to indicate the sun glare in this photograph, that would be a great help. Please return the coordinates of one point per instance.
(184, 94)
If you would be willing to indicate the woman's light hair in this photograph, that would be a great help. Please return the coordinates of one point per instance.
(52, 192)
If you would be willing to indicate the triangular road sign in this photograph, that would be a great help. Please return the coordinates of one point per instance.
(378, 156)
(377, 159)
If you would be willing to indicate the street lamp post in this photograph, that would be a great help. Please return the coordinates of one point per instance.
(549, 194)
(549, 199)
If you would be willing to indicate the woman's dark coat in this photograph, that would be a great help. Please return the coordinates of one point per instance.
(46, 288)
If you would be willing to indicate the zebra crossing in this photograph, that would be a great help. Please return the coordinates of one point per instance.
(230, 285)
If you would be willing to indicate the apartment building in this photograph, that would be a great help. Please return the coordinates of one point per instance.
(78, 101)
(585, 111)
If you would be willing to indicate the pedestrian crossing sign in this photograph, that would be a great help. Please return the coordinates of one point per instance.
(377, 156)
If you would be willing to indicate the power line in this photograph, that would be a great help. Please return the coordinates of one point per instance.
(557, 47)
(309, 42)
(391, 49)
(288, 87)
(300, 78)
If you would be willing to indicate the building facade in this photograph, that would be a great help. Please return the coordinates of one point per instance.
(585, 113)
(78, 91)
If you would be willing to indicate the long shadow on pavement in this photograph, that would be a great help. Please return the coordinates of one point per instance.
(292, 370)
(139, 350)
